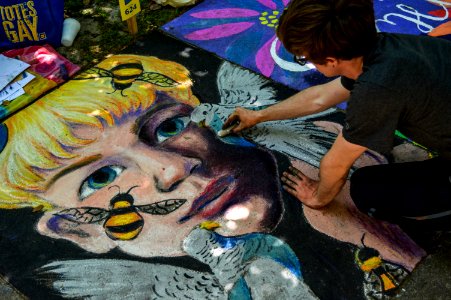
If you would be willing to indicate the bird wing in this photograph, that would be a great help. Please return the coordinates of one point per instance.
(240, 87)
(119, 279)
(237, 87)
(297, 138)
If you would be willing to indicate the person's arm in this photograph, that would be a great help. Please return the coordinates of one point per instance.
(309, 101)
(333, 172)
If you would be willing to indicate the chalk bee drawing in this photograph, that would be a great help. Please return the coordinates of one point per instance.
(122, 220)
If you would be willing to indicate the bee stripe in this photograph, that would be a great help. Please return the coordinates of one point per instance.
(124, 228)
(122, 219)
(371, 264)
(124, 80)
(125, 236)
(122, 211)
(121, 204)
(130, 71)
(128, 66)
(127, 73)
(388, 283)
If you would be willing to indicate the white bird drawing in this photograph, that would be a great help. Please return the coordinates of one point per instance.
(252, 266)
(298, 138)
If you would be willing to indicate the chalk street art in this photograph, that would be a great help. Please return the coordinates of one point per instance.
(244, 32)
(422, 17)
(117, 185)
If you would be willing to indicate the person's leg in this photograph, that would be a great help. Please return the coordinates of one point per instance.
(412, 194)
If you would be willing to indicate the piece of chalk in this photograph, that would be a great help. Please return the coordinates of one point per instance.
(227, 131)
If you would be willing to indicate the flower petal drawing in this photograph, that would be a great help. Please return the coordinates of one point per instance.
(244, 33)
(225, 13)
(263, 59)
(269, 4)
(219, 31)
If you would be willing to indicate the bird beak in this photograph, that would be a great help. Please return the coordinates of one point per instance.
(209, 225)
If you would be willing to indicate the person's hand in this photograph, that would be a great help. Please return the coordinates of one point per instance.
(245, 118)
(302, 187)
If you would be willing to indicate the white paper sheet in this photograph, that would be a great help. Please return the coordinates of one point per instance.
(15, 89)
(9, 69)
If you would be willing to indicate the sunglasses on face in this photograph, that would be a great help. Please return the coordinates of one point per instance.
(302, 60)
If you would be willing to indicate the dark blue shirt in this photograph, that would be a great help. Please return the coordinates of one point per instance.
(405, 85)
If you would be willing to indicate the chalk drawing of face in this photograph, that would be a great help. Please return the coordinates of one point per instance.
(157, 157)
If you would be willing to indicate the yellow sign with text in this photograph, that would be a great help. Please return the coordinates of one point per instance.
(129, 8)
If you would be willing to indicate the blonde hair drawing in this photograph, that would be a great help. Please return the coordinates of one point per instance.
(40, 137)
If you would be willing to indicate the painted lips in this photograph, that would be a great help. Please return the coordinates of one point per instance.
(212, 192)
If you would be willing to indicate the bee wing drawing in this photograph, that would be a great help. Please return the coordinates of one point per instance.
(94, 72)
(162, 207)
(157, 79)
(398, 272)
(380, 286)
(85, 215)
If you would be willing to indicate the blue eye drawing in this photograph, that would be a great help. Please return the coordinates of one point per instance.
(99, 179)
(171, 127)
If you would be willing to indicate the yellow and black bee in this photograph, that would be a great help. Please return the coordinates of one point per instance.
(122, 220)
(382, 278)
(123, 75)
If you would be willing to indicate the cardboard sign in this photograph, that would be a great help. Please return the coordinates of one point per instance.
(129, 8)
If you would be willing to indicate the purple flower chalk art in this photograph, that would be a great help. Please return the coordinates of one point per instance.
(244, 33)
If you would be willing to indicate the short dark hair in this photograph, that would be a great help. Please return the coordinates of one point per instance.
(343, 29)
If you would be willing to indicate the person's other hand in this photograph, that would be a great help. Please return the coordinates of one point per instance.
(302, 187)
(245, 118)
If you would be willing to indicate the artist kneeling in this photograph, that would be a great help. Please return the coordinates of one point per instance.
(378, 76)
